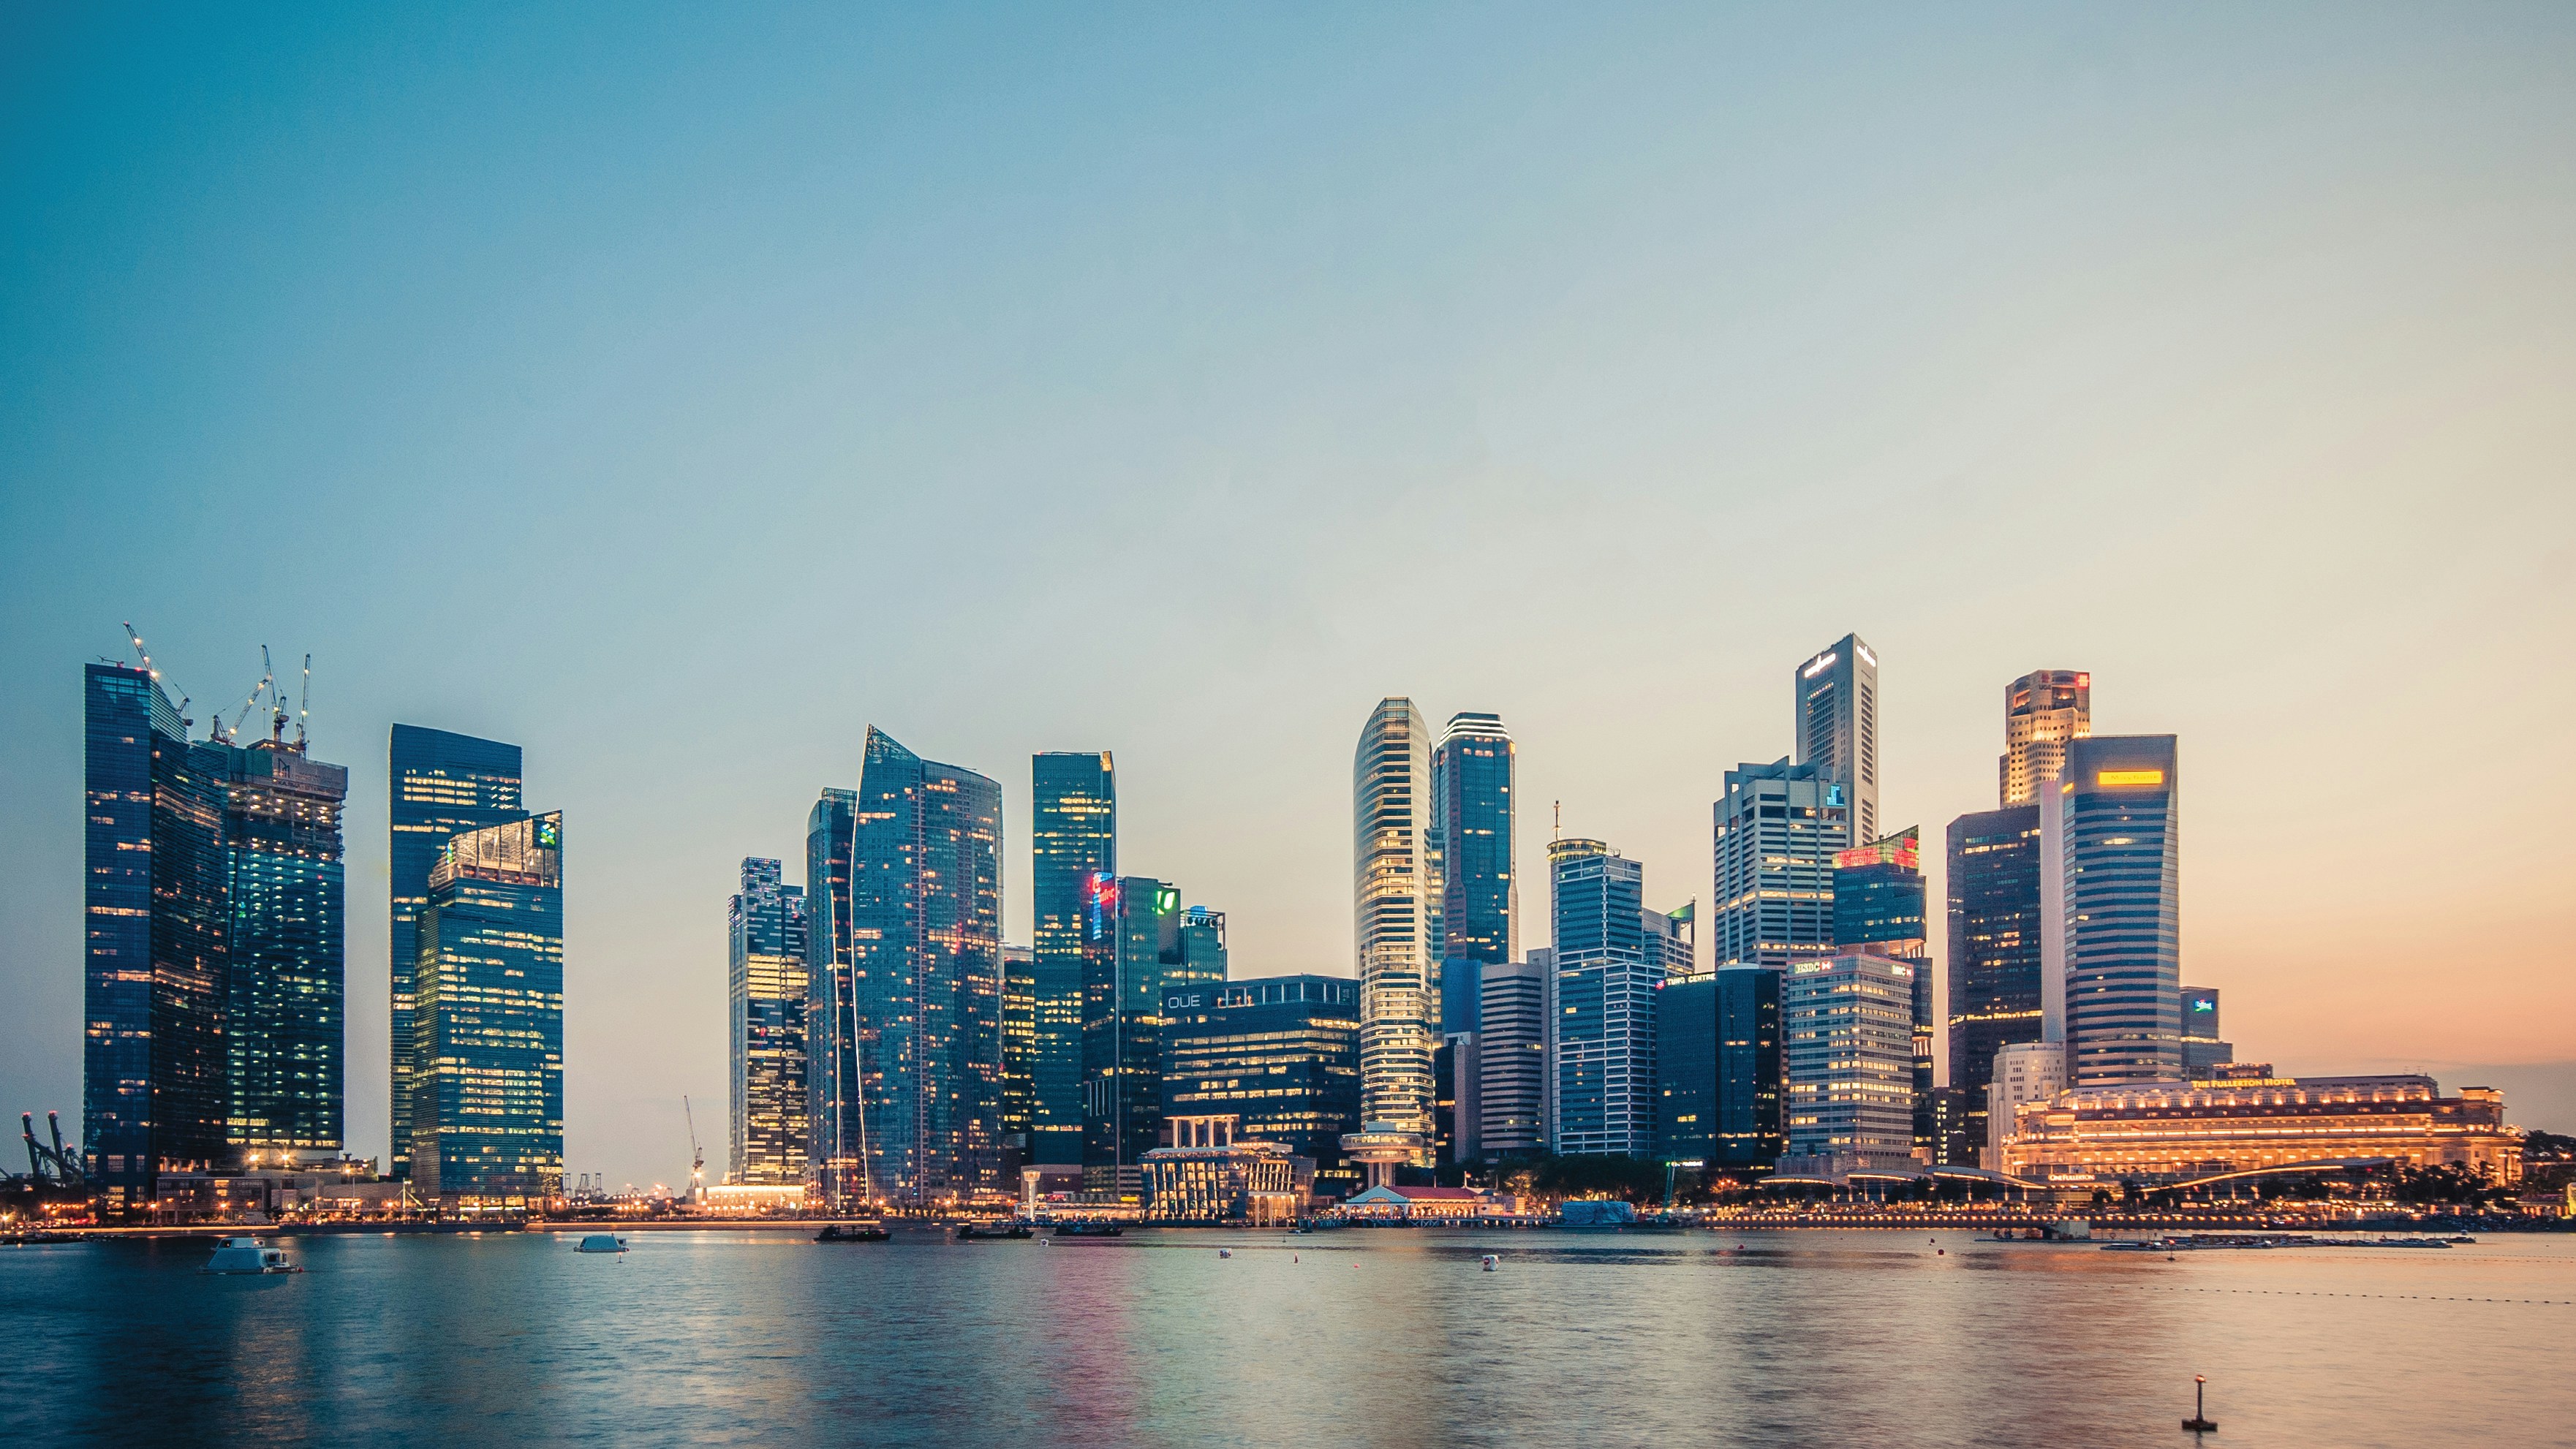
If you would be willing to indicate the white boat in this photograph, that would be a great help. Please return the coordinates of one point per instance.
(600, 1243)
(245, 1255)
(1491, 1262)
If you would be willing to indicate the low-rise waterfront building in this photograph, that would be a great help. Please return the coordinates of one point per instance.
(1204, 1173)
(1280, 1054)
(2024, 1072)
(1388, 1203)
(2163, 1132)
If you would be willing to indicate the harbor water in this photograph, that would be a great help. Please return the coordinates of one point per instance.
(1393, 1338)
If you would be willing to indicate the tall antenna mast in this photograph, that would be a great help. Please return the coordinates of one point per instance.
(1560, 821)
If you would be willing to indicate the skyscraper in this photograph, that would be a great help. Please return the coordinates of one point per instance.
(1837, 695)
(768, 966)
(1394, 879)
(1511, 1056)
(1019, 1052)
(287, 951)
(2044, 711)
(441, 784)
(1073, 834)
(487, 1038)
(1846, 1027)
(1879, 907)
(1138, 947)
(154, 1093)
(2202, 1046)
(1471, 809)
(831, 1000)
(1280, 1052)
(2114, 836)
(922, 1106)
(1995, 954)
(1778, 831)
(1603, 1099)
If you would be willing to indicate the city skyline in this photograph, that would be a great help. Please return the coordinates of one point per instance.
(1287, 364)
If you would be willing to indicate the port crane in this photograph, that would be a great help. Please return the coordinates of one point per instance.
(697, 1157)
(55, 1165)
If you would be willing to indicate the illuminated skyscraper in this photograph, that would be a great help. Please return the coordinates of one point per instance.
(284, 1028)
(1019, 1051)
(1281, 1053)
(1471, 810)
(1837, 693)
(1511, 1057)
(2202, 1047)
(1995, 955)
(1846, 1027)
(2044, 711)
(487, 1039)
(1879, 907)
(922, 1106)
(1718, 1069)
(766, 987)
(1778, 831)
(1602, 1101)
(831, 1061)
(1073, 834)
(1394, 890)
(154, 1092)
(1138, 947)
(441, 784)
(2112, 833)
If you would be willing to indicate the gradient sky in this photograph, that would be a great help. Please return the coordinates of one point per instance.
(677, 393)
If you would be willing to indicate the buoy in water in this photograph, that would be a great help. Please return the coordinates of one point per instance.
(1225, 1252)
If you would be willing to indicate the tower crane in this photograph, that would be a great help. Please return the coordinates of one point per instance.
(697, 1158)
(304, 704)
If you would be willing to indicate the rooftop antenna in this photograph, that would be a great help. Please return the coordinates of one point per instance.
(1560, 821)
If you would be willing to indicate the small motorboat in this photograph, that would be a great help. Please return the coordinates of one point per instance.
(600, 1243)
(976, 1232)
(1491, 1262)
(1089, 1230)
(1225, 1252)
(245, 1255)
(853, 1233)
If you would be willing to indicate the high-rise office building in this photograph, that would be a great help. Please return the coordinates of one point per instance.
(1602, 1100)
(1718, 1070)
(831, 1041)
(1019, 1053)
(441, 784)
(1395, 888)
(287, 952)
(1073, 835)
(1138, 947)
(154, 1093)
(1879, 907)
(2044, 711)
(1995, 956)
(1837, 695)
(1847, 1040)
(1511, 1056)
(1471, 809)
(1281, 1053)
(2202, 1047)
(2113, 835)
(921, 1108)
(767, 985)
(1778, 831)
(487, 1027)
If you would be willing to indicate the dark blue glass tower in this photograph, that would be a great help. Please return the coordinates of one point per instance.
(1282, 1053)
(1718, 1070)
(1471, 814)
(487, 1020)
(830, 1060)
(1995, 954)
(284, 1028)
(155, 1094)
(441, 784)
(1138, 946)
(1073, 835)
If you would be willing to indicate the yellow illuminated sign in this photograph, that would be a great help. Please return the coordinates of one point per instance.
(2129, 777)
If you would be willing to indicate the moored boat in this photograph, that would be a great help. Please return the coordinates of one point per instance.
(600, 1243)
(245, 1255)
(853, 1233)
(1088, 1230)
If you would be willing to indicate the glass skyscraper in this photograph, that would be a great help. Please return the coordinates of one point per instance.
(768, 961)
(1879, 907)
(1995, 955)
(831, 1063)
(1837, 695)
(287, 951)
(1280, 1052)
(1471, 812)
(1846, 1028)
(1073, 835)
(922, 1106)
(154, 1093)
(487, 1038)
(2113, 829)
(440, 784)
(1511, 1056)
(1602, 1101)
(1395, 890)
(1777, 833)
(1138, 947)
(1019, 1052)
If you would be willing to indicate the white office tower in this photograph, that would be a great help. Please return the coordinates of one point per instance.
(1395, 890)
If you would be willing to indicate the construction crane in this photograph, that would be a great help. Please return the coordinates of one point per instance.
(304, 704)
(697, 1158)
(55, 1164)
(267, 685)
(145, 657)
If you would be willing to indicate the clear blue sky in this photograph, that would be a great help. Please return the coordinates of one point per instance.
(676, 393)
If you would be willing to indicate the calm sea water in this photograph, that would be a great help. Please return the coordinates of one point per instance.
(1358, 1337)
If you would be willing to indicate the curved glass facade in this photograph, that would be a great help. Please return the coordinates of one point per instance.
(1393, 888)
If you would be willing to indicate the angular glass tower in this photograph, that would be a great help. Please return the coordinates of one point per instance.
(1019, 1051)
(919, 1107)
(284, 1027)
(155, 1093)
(1394, 891)
(768, 959)
(830, 829)
(1995, 955)
(487, 1037)
(1777, 833)
(1602, 1101)
(2113, 829)
(441, 784)
(1073, 835)
(1471, 810)
(1138, 944)
(1837, 693)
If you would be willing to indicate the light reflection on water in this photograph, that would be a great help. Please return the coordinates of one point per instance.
(1380, 1338)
